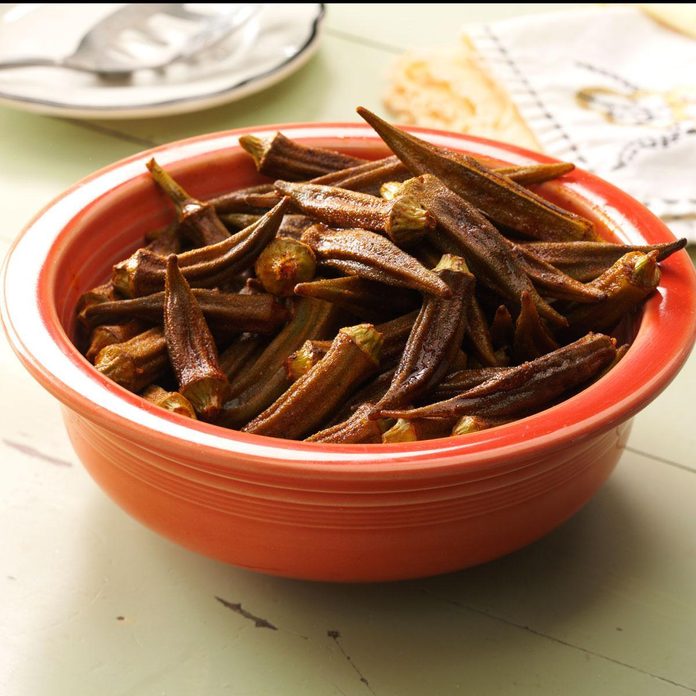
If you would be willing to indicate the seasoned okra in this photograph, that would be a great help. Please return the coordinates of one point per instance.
(431, 314)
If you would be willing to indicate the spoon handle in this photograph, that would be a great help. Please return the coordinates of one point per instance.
(35, 62)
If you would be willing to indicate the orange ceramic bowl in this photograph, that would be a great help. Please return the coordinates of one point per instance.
(315, 511)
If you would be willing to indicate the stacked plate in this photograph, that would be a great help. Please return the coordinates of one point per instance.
(276, 41)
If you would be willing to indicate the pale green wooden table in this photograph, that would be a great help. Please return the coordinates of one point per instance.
(93, 603)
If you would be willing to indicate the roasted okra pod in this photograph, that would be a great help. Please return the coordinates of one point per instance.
(137, 362)
(434, 340)
(586, 261)
(498, 197)
(369, 255)
(226, 311)
(361, 297)
(284, 158)
(402, 218)
(209, 266)
(626, 284)
(527, 387)
(353, 356)
(191, 347)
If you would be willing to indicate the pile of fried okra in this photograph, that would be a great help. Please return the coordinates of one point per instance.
(422, 295)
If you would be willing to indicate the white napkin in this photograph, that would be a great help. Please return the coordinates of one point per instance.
(611, 90)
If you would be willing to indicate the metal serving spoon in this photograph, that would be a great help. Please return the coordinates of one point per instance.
(147, 36)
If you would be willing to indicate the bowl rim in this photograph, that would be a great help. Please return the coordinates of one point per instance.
(40, 342)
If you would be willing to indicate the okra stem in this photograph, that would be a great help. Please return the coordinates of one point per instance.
(283, 264)
(305, 358)
(198, 219)
(531, 338)
(170, 401)
(473, 424)
(418, 429)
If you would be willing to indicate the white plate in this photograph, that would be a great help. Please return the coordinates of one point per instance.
(276, 42)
